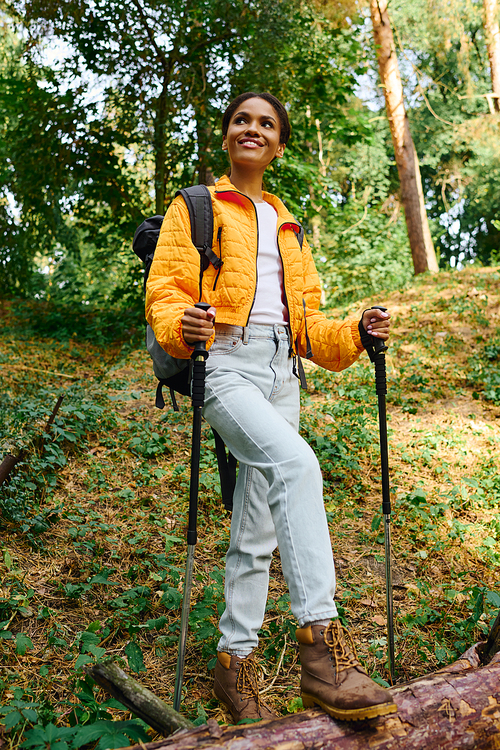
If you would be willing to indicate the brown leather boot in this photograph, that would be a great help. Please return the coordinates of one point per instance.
(236, 687)
(333, 678)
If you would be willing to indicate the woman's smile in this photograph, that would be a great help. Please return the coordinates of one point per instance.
(253, 129)
(250, 143)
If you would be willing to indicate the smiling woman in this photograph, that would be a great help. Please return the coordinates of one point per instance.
(254, 135)
(264, 295)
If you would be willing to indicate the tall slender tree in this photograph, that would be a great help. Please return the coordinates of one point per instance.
(492, 30)
(412, 195)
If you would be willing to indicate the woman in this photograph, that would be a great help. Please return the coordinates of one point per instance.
(265, 314)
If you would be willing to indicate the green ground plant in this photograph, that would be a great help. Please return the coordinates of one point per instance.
(92, 521)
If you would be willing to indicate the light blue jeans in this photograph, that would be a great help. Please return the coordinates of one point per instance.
(252, 400)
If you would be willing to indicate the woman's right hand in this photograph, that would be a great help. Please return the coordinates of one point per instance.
(197, 325)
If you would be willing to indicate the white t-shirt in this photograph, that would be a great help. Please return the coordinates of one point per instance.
(269, 304)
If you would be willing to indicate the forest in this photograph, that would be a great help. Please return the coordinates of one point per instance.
(393, 169)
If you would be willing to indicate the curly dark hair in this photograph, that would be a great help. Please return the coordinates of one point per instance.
(272, 100)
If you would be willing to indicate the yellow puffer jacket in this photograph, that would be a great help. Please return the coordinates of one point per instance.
(174, 279)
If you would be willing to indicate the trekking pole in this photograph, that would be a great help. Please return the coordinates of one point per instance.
(378, 358)
(198, 356)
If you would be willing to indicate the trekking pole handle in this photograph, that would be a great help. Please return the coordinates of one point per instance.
(378, 344)
(381, 390)
(200, 346)
(199, 357)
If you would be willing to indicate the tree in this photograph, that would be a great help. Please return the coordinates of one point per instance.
(447, 79)
(171, 67)
(64, 177)
(164, 80)
(412, 195)
(492, 30)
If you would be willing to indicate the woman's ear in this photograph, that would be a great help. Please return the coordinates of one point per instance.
(280, 151)
(224, 143)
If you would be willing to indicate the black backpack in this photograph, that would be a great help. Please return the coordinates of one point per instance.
(174, 373)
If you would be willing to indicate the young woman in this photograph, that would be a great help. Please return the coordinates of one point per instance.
(265, 314)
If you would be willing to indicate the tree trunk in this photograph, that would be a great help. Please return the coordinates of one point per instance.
(205, 174)
(493, 43)
(412, 196)
(160, 141)
(203, 128)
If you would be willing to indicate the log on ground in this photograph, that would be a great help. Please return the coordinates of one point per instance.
(457, 707)
(145, 704)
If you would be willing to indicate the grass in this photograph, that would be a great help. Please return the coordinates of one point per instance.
(92, 524)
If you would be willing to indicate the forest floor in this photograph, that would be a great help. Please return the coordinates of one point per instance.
(92, 524)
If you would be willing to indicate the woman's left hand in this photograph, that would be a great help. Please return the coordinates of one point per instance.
(376, 323)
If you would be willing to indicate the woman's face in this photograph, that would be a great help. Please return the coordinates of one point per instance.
(253, 135)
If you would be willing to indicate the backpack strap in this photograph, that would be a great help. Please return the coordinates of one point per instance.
(227, 471)
(298, 367)
(201, 215)
(300, 236)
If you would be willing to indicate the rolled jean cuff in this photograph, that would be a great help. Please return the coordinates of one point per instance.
(309, 619)
(238, 652)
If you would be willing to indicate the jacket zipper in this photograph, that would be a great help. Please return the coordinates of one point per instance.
(256, 257)
(256, 251)
(256, 278)
(291, 350)
(219, 242)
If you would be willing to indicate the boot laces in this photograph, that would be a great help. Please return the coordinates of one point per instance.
(246, 681)
(341, 647)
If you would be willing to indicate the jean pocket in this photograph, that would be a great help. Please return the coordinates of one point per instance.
(224, 343)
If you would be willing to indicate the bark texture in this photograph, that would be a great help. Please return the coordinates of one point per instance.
(453, 709)
(412, 196)
(492, 30)
(145, 704)
(160, 145)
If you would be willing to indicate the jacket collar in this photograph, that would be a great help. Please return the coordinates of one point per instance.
(224, 186)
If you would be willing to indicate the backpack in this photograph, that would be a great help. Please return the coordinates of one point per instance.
(174, 373)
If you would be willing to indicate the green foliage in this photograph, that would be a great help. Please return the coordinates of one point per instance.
(107, 734)
(444, 61)
(68, 241)
(135, 658)
(152, 121)
(370, 259)
(35, 478)
(358, 234)
(82, 320)
(340, 429)
(485, 371)
(49, 128)
(205, 614)
(18, 713)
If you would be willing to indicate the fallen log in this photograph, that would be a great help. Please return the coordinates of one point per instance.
(10, 461)
(457, 707)
(453, 709)
(492, 645)
(145, 704)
